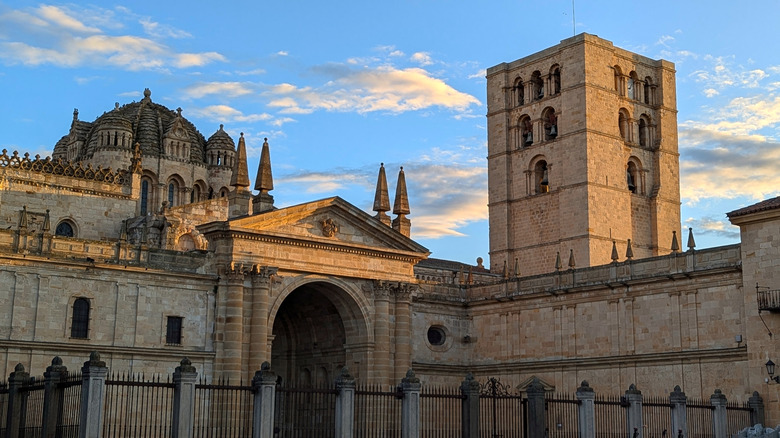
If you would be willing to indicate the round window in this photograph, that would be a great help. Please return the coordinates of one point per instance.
(436, 336)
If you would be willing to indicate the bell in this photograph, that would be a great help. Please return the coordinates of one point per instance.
(553, 130)
(529, 138)
(630, 181)
(544, 184)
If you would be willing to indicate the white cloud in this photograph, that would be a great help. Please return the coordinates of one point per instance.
(422, 58)
(157, 30)
(723, 75)
(384, 88)
(65, 41)
(225, 89)
(225, 113)
(479, 75)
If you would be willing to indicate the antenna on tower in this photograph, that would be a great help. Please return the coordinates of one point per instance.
(573, 20)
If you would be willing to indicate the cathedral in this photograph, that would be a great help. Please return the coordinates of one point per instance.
(140, 238)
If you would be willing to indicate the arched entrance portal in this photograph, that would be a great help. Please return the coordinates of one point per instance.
(316, 330)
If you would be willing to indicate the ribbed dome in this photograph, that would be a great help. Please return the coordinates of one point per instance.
(146, 123)
(220, 140)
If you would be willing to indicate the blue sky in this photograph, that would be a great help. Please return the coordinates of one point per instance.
(339, 87)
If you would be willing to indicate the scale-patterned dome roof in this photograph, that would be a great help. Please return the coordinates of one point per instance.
(220, 140)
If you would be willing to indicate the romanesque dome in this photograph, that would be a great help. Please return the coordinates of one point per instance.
(220, 140)
(143, 122)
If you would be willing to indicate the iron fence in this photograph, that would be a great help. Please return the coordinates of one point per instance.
(562, 415)
(31, 395)
(699, 416)
(222, 410)
(136, 407)
(502, 410)
(737, 417)
(308, 413)
(69, 415)
(377, 411)
(611, 415)
(657, 417)
(3, 406)
(440, 412)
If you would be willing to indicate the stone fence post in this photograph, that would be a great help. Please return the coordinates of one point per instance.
(52, 396)
(678, 400)
(536, 409)
(184, 379)
(15, 414)
(410, 406)
(345, 404)
(469, 388)
(634, 420)
(93, 390)
(756, 404)
(719, 424)
(586, 418)
(264, 387)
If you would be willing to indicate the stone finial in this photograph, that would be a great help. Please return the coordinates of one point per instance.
(401, 204)
(614, 252)
(75, 114)
(675, 244)
(504, 272)
(19, 368)
(185, 366)
(240, 178)
(572, 264)
(479, 262)
(691, 242)
(265, 181)
(558, 264)
(381, 197)
(147, 93)
(629, 251)
(517, 267)
(135, 162)
(633, 390)
(410, 377)
(265, 366)
(94, 360)
(584, 387)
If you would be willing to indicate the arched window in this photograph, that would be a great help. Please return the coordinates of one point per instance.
(65, 229)
(79, 327)
(555, 80)
(633, 178)
(171, 193)
(538, 85)
(550, 121)
(619, 80)
(144, 197)
(223, 192)
(526, 131)
(649, 91)
(542, 183)
(624, 126)
(519, 89)
(644, 131)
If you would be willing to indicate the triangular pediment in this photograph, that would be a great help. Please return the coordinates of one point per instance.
(523, 386)
(331, 221)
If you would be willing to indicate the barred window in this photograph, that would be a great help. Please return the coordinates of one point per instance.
(80, 322)
(173, 334)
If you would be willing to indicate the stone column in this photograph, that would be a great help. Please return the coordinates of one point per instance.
(52, 396)
(183, 400)
(258, 325)
(470, 407)
(536, 410)
(382, 367)
(719, 424)
(15, 414)
(756, 404)
(93, 389)
(410, 407)
(678, 400)
(264, 386)
(586, 418)
(634, 398)
(234, 322)
(403, 317)
(345, 404)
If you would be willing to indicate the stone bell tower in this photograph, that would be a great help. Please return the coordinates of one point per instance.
(582, 151)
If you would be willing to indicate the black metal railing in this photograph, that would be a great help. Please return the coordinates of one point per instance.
(610, 413)
(502, 411)
(31, 415)
(137, 407)
(377, 411)
(440, 412)
(737, 417)
(3, 406)
(769, 300)
(657, 417)
(561, 415)
(305, 412)
(222, 410)
(69, 416)
(699, 416)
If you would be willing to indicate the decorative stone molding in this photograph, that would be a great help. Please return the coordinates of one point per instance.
(64, 168)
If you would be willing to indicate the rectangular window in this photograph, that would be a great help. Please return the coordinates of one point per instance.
(173, 334)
